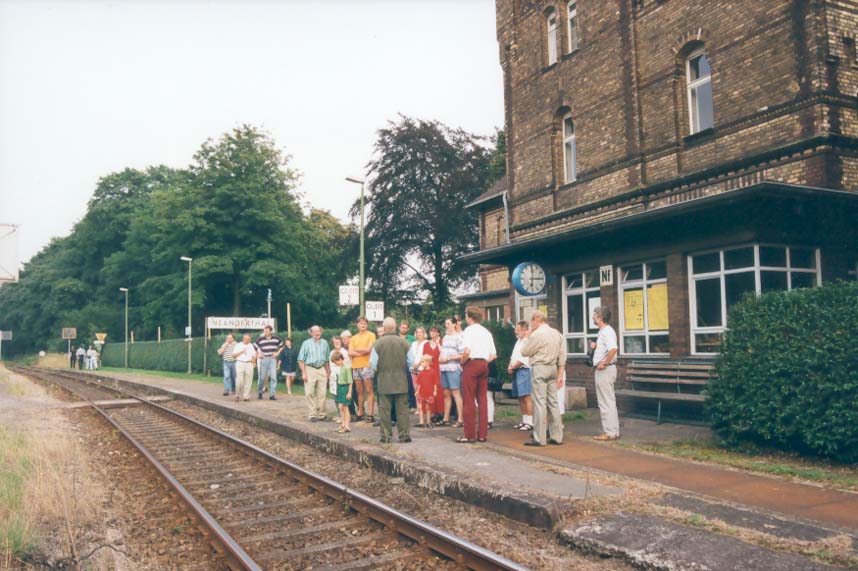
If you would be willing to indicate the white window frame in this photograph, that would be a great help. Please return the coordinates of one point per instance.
(572, 25)
(570, 172)
(693, 125)
(642, 283)
(498, 313)
(519, 297)
(582, 291)
(722, 272)
(553, 44)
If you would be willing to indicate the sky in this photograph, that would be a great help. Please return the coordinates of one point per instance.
(92, 87)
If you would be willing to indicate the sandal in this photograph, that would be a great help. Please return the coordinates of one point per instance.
(442, 423)
(525, 427)
(463, 440)
(481, 439)
(458, 425)
(369, 419)
(519, 425)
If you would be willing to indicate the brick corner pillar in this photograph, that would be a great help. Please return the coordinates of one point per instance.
(677, 306)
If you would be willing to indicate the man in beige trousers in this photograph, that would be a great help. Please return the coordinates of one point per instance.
(546, 352)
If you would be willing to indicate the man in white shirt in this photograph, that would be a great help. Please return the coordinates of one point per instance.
(478, 349)
(91, 359)
(519, 372)
(605, 363)
(245, 358)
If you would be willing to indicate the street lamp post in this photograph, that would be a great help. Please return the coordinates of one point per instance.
(361, 182)
(125, 289)
(190, 339)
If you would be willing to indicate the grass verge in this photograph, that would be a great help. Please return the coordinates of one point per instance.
(16, 467)
(836, 476)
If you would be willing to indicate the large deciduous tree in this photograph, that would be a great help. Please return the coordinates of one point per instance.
(421, 177)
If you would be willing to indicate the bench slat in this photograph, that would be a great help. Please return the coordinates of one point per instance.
(636, 379)
(660, 396)
(636, 371)
(671, 366)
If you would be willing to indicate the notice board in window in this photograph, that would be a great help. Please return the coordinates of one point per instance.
(633, 309)
(657, 307)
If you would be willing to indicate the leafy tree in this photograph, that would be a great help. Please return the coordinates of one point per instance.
(422, 176)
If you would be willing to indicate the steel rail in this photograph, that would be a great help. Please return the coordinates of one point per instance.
(453, 547)
(234, 552)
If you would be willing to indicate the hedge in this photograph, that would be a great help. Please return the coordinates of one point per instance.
(788, 373)
(172, 354)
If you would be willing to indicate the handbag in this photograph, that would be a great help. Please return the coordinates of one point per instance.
(494, 383)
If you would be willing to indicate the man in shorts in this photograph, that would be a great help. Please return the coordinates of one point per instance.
(360, 348)
(519, 372)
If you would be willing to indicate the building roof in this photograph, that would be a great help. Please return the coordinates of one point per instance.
(497, 189)
(508, 252)
(483, 295)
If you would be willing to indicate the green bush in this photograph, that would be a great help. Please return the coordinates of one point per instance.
(788, 373)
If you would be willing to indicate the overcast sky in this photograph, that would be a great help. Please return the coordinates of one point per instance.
(91, 87)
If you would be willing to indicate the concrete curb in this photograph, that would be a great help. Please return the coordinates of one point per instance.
(537, 510)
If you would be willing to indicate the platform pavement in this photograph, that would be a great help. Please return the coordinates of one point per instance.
(531, 492)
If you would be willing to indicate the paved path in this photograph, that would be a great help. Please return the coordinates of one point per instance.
(794, 499)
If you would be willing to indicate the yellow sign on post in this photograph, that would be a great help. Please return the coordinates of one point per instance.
(633, 309)
(656, 298)
(101, 336)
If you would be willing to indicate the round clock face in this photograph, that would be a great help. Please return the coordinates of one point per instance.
(530, 278)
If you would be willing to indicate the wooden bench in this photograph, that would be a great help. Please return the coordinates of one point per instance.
(664, 381)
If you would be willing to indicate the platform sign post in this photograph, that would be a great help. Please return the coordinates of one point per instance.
(69, 333)
(4, 336)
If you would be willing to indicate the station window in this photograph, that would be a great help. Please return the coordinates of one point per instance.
(581, 296)
(569, 151)
(572, 25)
(526, 305)
(699, 78)
(551, 28)
(643, 308)
(720, 279)
(494, 313)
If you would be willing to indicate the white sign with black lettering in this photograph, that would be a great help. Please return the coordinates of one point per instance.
(375, 310)
(349, 295)
(240, 323)
(606, 276)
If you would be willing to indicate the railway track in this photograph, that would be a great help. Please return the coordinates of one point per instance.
(264, 512)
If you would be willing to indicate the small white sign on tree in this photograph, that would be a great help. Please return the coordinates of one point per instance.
(349, 295)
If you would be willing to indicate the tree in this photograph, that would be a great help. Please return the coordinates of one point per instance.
(422, 176)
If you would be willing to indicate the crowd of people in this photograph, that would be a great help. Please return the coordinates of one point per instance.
(394, 374)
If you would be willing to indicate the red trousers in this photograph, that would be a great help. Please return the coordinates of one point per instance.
(475, 374)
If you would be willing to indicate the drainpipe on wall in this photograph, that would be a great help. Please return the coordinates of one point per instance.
(506, 215)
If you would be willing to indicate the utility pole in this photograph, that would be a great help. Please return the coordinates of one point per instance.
(361, 300)
(125, 289)
(190, 338)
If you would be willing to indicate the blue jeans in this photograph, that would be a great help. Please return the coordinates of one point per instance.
(267, 369)
(229, 377)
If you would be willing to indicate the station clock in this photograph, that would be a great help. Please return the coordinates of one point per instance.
(529, 278)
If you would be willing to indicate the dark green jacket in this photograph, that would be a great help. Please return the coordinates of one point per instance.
(392, 353)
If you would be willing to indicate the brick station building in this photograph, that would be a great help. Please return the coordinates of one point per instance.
(667, 156)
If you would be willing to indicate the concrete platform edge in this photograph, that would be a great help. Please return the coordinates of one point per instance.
(535, 510)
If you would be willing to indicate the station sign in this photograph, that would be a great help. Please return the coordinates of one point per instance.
(69, 333)
(5, 335)
(349, 295)
(240, 323)
(375, 310)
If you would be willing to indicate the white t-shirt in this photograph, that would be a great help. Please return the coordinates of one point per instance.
(606, 341)
(480, 342)
(516, 354)
(244, 352)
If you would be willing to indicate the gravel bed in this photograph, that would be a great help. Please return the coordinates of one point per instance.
(146, 527)
(535, 548)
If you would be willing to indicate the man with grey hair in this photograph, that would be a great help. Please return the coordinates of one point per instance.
(605, 361)
(546, 354)
(390, 360)
(315, 370)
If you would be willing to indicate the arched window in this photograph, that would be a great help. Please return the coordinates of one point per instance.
(699, 79)
(569, 158)
(551, 24)
(572, 24)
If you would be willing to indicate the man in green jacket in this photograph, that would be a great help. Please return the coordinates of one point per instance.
(390, 360)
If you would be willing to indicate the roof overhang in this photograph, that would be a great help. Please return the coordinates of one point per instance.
(483, 295)
(513, 251)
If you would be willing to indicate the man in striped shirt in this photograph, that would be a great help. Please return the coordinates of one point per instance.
(267, 347)
(315, 370)
(228, 365)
